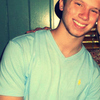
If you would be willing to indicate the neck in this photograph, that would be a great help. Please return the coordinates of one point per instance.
(68, 45)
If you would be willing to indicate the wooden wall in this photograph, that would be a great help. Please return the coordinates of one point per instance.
(19, 16)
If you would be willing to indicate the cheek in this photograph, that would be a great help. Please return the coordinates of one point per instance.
(93, 18)
(72, 11)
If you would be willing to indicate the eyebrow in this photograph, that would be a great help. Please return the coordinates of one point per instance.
(97, 9)
(79, 0)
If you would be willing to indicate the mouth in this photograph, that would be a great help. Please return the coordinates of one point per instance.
(79, 24)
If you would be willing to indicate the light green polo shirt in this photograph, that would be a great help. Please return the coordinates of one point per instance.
(33, 67)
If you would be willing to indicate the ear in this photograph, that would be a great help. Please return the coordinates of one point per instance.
(61, 5)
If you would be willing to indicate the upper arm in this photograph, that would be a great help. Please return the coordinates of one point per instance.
(12, 77)
(10, 98)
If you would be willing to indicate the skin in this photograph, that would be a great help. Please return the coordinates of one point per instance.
(83, 14)
(10, 98)
(79, 16)
(98, 25)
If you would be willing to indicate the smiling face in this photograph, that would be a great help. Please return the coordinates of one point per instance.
(79, 16)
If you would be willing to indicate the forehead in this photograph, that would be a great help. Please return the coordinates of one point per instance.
(91, 3)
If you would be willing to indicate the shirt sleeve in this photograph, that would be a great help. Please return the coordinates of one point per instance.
(94, 91)
(12, 71)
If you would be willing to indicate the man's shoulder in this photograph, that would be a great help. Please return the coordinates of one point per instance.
(30, 36)
(28, 42)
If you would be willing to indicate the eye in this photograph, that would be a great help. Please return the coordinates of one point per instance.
(78, 4)
(95, 11)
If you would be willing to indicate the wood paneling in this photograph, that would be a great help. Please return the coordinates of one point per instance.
(3, 25)
(91, 40)
(40, 11)
(19, 16)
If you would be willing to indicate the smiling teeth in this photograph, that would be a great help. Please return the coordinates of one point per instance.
(79, 23)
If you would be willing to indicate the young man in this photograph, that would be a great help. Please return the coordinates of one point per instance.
(54, 65)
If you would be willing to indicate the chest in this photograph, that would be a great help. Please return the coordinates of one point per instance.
(54, 80)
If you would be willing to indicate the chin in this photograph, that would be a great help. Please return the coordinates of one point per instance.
(81, 34)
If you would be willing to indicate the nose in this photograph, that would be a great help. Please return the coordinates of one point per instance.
(84, 14)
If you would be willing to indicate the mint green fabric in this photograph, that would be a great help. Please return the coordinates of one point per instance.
(33, 67)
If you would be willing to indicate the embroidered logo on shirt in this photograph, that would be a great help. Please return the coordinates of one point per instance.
(79, 81)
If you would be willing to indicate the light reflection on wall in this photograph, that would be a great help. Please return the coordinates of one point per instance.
(56, 19)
